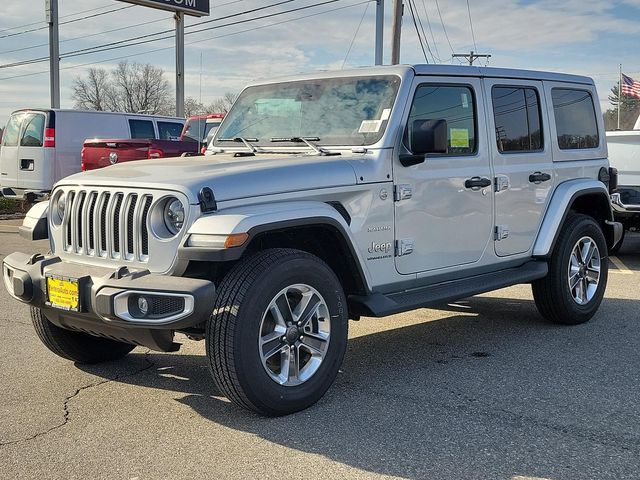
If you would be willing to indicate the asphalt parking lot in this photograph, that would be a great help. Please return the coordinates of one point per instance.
(480, 389)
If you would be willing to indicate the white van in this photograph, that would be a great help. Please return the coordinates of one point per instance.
(40, 147)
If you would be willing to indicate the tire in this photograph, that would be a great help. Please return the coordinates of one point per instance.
(77, 346)
(616, 249)
(244, 315)
(554, 298)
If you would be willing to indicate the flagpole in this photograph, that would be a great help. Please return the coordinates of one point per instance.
(619, 95)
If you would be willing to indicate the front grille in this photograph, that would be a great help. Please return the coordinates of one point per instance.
(108, 225)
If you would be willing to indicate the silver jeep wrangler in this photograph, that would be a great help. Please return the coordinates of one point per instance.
(330, 196)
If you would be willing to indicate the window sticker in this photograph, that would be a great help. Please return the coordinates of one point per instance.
(459, 137)
(370, 126)
(386, 113)
(465, 100)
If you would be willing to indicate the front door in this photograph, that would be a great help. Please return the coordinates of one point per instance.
(443, 208)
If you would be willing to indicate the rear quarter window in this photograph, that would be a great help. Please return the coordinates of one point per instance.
(575, 115)
(169, 130)
(142, 129)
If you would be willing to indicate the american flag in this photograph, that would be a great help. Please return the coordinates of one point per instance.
(630, 86)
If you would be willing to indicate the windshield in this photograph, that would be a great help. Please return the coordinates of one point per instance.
(332, 111)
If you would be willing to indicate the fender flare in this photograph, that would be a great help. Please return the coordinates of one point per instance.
(35, 225)
(258, 219)
(563, 198)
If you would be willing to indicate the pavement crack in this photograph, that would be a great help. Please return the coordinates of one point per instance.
(65, 404)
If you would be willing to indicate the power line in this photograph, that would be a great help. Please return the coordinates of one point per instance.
(61, 16)
(355, 35)
(444, 29)
(99, 33)
(471, 25)
(418, 31)
(83, 36)
(433, 38)
(68, 21)
(424, 35)
(199, 41)
(117, 45)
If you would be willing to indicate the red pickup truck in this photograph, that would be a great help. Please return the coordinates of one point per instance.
(102, 153)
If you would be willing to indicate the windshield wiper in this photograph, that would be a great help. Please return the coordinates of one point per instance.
(308, 141)
(243, 140)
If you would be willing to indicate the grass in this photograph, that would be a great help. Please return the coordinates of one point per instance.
(9, 206)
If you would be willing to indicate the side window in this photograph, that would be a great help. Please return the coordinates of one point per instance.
(12, 130)
(517, 115)
(142, 129)
(575, 115)
(33, 132)
(456, 105)
(169, 130)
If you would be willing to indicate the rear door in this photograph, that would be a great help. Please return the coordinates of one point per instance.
(522, 160)
(33, 171)
(9, 151)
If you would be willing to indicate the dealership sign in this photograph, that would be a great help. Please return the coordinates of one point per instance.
(196, 8)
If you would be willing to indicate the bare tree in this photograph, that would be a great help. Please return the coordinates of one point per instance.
(222, 104)
(95, 92)
(193, 107)
(130, 87)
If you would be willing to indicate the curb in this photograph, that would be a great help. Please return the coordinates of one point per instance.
(9, 228)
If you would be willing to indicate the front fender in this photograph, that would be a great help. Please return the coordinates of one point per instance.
(256, 219)
(35, 225)
(559, 207)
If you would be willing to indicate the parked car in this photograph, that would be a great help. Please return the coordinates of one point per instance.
(332, 196)
(41, 147)
(624, 155)
(102, 153)
(201, 128)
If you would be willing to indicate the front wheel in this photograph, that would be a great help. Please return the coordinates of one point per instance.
(77, 346)
(574, 287)
(278, 332)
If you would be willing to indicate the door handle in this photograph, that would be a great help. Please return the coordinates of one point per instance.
(539, 177)
(477, 182)
(26, 164)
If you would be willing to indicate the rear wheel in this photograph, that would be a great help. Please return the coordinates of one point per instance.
(278, 332)
(574, 287)
(77, 346)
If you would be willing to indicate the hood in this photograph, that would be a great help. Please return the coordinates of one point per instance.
(230, 177)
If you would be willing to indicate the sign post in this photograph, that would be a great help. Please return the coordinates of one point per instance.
(51, 13)
(195, 8)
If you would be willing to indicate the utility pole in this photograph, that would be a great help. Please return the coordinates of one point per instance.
(51, 12)
(179, 64)
(379, 31)
(396, 29)
(471, 57)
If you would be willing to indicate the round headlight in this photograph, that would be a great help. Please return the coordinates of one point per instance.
(58, 206)
(174, 215)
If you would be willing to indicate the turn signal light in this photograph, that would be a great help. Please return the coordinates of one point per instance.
(236, 240)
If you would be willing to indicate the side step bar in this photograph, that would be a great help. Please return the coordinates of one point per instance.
(381, 305)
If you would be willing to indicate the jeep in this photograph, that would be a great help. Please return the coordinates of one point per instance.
(329, 197)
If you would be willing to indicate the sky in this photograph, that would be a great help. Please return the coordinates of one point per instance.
(588, 37)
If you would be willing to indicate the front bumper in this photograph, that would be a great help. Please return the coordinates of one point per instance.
(626, 200)
(105, 306)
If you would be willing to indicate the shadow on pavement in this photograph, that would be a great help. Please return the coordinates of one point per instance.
(490, 391)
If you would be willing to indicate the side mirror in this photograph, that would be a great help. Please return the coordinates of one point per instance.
(428, 136)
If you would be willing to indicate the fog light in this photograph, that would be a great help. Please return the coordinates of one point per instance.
(143, 306)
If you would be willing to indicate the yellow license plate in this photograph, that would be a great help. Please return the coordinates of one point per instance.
(63, 294)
